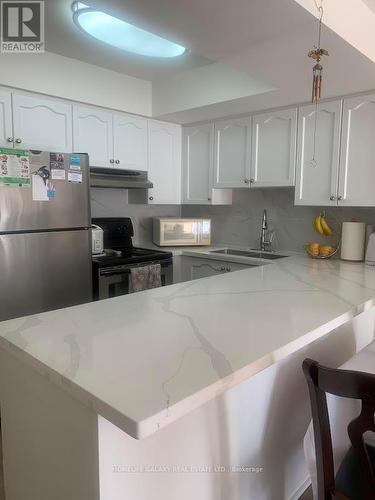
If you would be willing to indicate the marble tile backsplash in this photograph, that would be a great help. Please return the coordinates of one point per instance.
(238, 224)
(114, 203)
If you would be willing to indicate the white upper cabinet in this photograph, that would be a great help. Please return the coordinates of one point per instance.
(164, 147)
(317, 182)
(357, 165)
(130, 142)
(93, 134)
(197, 168)
(197, 163)
(42, 123)
(6, 124)
(232, 153)
(274, 149)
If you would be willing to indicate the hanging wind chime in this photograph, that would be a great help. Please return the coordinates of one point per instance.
(317, 53)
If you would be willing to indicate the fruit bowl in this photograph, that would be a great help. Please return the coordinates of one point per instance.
(317, 250)
(324, 256)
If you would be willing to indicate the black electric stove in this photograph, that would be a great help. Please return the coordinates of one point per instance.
(135, 255)
(112, 268)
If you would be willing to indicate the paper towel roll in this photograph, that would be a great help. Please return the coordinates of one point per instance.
(353, 241)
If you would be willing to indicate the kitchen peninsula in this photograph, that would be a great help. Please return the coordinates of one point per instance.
(189, 391)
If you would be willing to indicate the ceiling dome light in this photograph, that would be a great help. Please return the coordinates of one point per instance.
(123, 35)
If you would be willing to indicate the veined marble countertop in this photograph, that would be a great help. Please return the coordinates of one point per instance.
(144, 360)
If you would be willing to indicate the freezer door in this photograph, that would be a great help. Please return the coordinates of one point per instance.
(44, 271)
(30, 209)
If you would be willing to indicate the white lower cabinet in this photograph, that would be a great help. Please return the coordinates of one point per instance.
(6, 124)
(357, 164)
(42, 123)
(317, 181)
(93, 134)
(193, 268)
(164, 152)
(197, 168)
(274, 149)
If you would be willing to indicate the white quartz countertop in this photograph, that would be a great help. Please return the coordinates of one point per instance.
(146, 359)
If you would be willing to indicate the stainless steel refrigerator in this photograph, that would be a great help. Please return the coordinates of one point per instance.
(45, 238)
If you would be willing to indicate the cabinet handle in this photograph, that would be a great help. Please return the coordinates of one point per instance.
(332, 198)
(10, 139)
(18, 141)
(117, 162)
(339, 198)
(111, 161)
(151, 198)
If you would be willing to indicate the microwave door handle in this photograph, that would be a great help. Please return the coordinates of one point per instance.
(199, 235)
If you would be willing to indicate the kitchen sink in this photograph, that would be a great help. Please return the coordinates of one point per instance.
(250, 253)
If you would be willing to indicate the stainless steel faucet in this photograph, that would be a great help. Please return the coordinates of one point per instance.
(265, 243)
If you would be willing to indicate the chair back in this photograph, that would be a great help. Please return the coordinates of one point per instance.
(347, 384)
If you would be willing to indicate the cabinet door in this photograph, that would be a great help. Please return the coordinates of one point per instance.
(6, 124)
(130, 142)
(42, 123)
(357, 164)
(194, 268)
(197, 163)
(165, 163)
(234, 266)
(274, 149)
(92, 132)
(317, 182)
(232, 153)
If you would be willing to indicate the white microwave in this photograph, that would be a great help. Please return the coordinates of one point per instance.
(172, 231)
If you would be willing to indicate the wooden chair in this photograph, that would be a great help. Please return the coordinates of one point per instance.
(347, 384)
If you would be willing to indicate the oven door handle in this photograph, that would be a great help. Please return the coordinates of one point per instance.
(107, 274)
(112, 272)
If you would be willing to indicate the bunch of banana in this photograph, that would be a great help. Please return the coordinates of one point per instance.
(321, 226)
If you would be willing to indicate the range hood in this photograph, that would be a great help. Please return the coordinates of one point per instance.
(119, 178)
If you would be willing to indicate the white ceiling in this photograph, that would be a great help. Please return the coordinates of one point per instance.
(210, 29)
(213, 28)
(370, 4)
(64, 38)
(267, 40)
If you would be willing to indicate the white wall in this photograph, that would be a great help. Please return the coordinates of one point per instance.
(60, 76)
(203, 86)
(353, 20)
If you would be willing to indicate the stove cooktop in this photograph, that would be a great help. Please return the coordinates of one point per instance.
(134, 255)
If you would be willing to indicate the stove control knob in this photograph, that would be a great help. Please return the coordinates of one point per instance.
(151, 198)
